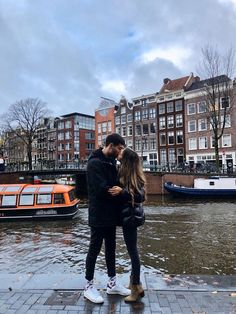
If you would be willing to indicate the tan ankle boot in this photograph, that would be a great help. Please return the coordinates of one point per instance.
(136, 293)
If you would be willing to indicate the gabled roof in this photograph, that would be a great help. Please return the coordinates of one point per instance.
(174, 85)
(214, 80)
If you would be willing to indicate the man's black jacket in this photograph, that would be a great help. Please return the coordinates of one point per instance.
(101, 175)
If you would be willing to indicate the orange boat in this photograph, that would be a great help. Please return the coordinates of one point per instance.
(37, 201)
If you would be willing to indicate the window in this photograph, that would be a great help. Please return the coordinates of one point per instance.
(123, 119)
(179, 120)
(202, 124)
(162, 108)
(224, 102)
(227, 121)
(104, 127)
(226, 140)
(162, 139)
(123, 131)
(179, 137)
(61, 125)
(171, 139)
(145, 143)
(178, 105)
(145, 113)
(68, 124)
(137, 116)
(202, 143)
(162, 123)
(9, 200)
(192, 126)
(170, 106)
(138, 145)
(13, 188)
(138, 129)
(152, 128)
(192, 143)
(170, 121)
(129, 117)
(60, 136)
(171, 152)
(201, 107)
(26, 199)
(145, 129)
(117, 119)
(191, 109)
(72, 195)
(99, 127)
(152, 113)
(108, 126)
(59, 198)
(130, 130)
(123, 110)
(44, 199)
(153, 143)
(68, 135)
(163, 158)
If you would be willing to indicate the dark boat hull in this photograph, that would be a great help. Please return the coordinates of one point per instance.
(183, 191)
(52, 213)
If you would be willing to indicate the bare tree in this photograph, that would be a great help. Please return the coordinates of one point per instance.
(23, 119)
(218, 91)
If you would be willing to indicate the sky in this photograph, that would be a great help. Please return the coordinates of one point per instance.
(70, 53)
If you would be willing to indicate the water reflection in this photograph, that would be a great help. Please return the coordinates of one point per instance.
(180, 236)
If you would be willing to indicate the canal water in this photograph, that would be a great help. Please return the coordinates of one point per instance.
(179, 237)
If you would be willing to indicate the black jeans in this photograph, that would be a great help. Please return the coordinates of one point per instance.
(98, 234)
(130, 237)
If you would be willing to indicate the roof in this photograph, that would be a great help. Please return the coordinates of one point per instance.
(76, 114)
(174, 85)
(215, 80)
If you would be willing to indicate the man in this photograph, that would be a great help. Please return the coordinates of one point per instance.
(103, 215)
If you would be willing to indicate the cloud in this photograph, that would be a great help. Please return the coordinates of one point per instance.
(70, 53)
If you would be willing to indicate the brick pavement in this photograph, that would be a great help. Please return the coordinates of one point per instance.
(166, 302)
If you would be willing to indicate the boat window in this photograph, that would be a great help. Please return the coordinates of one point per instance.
(26, 199)
(212, 183)
(29, 189)
(44, 198)
(59, 198)
(45, 189)
(13, 188)
(72, 195)
(2, 188)
(9, 200)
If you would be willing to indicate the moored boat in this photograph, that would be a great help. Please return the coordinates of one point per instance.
(37, 201)
(221, 187)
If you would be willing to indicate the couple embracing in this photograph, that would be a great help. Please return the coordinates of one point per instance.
(115, 198)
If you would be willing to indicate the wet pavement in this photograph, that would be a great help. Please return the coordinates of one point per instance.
(170, 294)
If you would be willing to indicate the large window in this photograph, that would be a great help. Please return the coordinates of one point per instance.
(178, 105)
(162, 123)
(224, 102)
(162, 139)
(145, 129)
(163, 156)
(152, 113)
(123, 119)
(201, 107)
(137, 116)
(191, 109)
(130, 130)
(226, 140)
(138, 129)
(171, 152)
(44, 198)
(179, 137)
(192, 126)
(170, 106)
(203, 142)
(171, 139)
(170, 121)
(179, 120)
(137, 144)
(161, 108)
(192, 143)
(227, 121)
(145, 114)
(153, 143)
(152, 128)
(202, 124)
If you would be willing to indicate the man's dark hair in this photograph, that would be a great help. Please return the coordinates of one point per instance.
(115, 139)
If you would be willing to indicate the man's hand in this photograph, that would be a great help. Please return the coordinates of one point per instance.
(115, 190)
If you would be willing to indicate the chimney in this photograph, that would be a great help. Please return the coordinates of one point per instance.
(166, 80)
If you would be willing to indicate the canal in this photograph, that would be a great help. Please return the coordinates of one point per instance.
(179, 237)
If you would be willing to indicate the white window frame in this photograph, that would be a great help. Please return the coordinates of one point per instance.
(202, 142)
(192, 143)
(191, 111)
(190, 124)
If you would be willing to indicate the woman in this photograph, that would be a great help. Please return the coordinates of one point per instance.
(131, 192)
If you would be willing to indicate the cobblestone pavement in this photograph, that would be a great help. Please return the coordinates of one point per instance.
(72, 301)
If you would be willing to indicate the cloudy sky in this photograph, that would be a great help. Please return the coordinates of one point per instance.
(69, 53)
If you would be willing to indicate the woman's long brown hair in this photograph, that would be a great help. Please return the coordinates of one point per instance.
(131, 172)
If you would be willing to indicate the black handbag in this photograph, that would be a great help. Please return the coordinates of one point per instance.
(133, 216)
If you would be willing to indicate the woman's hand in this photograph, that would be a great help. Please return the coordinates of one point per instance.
(115, 190)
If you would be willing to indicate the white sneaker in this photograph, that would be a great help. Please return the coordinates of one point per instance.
(118, 289)
(92, 294)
